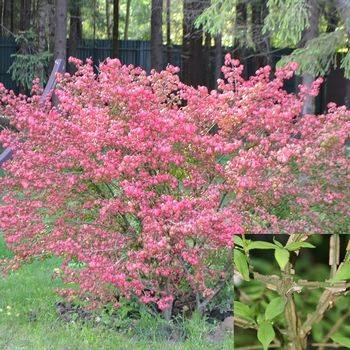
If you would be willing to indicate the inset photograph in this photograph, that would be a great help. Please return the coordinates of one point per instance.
(292, 292)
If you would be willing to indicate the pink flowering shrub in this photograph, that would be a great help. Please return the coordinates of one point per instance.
(291, 173)
(127, 177)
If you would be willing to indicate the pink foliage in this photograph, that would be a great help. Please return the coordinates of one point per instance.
(127, 177)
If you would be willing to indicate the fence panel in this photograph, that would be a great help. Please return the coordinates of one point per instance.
(7, 48)
(138, 53)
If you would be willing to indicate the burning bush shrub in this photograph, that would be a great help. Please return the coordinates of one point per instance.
(127, 178)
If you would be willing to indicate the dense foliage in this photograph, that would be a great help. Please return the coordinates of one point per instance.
(284, 23)
(29, 62)
(140, 182)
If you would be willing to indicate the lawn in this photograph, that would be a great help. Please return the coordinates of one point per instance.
(29, 319)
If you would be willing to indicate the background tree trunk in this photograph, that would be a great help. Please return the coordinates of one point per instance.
(42, 21)
(6, 17)
(309, 34)
(168, 30)
(94, 24)
(75, 31)
(41, 13)
(60, 50)
(217, 59)
(24, 26)
(156, 35)
(34, 11)
(127, 20)
(207, 60)
(12, 16)
(115, 38)
(51, 14)
(192, 48)
(24, 22)
(108, 20)
(343, 8)
(2, 17)
(261, 41)
(241, 24)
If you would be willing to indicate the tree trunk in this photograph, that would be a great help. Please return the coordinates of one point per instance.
(6, 17)
(51, 14)
(168, 31)
(34, 11)
(127, 20)
(193, 71)
(2, 19)
(261, 41)
(75, 32)
(61, 31)
(94, 23)
(115, 39)
(217, 59)
(24, 22)
(241, 24)
(343, 8)
(12, 16)
(24, 26)
(108, 21)
(207, 59)
(309, 34)
(41, 17)
(156, 35)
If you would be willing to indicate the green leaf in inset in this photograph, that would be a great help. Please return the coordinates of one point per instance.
(274, 308)
(297, 245)
(277, 243)
(243, 310)
(241, 262)
(282, 257)
(266, 334)
(261, 245)
(343, 273)
(238, 240)
(341, 340)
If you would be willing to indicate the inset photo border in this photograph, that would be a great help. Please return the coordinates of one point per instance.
(292, 292)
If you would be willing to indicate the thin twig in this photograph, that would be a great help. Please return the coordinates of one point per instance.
(334, 329)
(327, 345)
(290, 311)
(334, 249)
(242, 323)
(273, 282)
(256, 347)
(327, 300)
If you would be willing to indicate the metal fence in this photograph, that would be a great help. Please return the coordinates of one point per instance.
(134, 52)
(7, 48)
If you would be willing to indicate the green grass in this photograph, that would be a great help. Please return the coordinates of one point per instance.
(28, 319)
